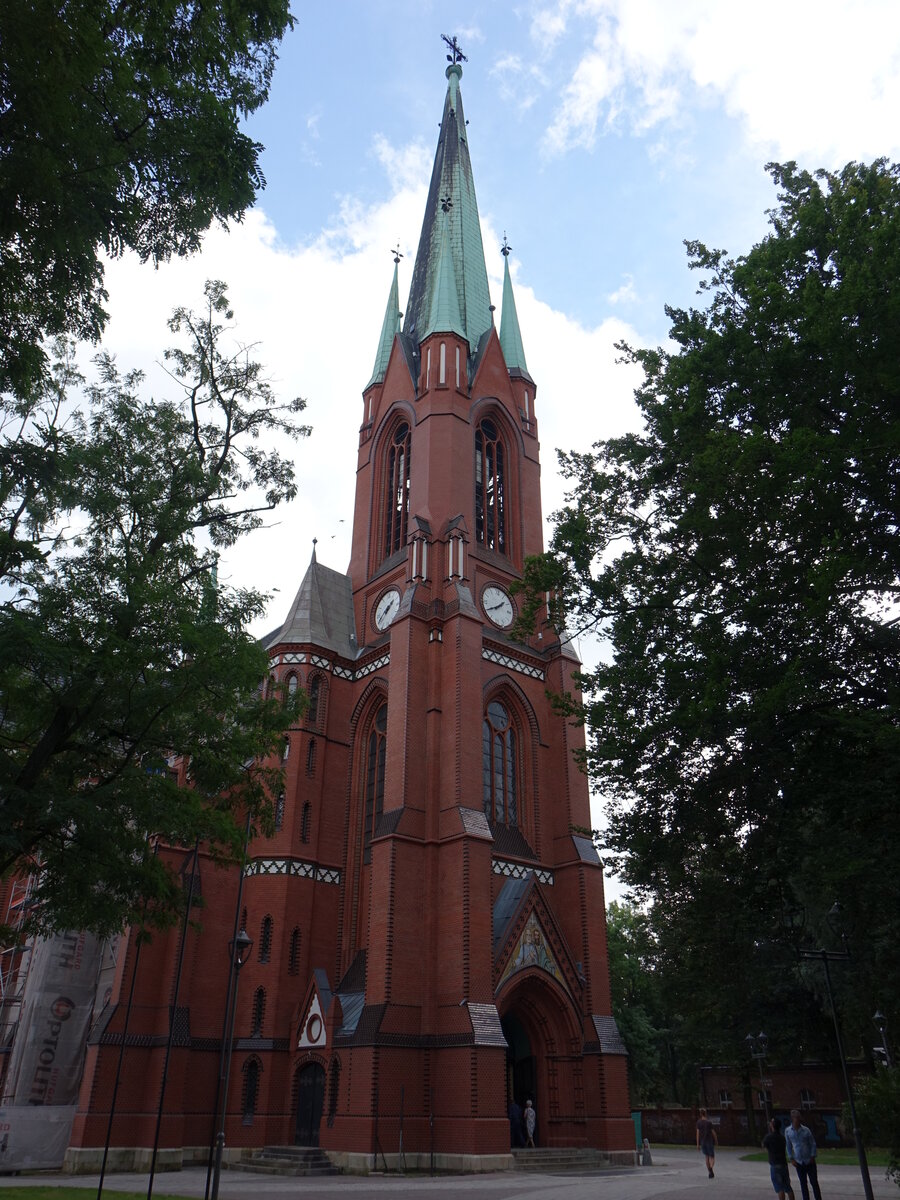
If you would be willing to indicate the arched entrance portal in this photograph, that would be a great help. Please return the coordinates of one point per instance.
(544, 1056)
(310, 1101)
(521, 1064)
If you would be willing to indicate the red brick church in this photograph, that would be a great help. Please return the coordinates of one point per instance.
(429, 938)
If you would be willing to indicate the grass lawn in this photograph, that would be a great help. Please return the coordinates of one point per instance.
(844, 1156)
(50, 1192)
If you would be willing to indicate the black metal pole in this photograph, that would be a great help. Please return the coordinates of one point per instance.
(220, 1136)
(128, 1008)
(825, 957)
(173, 1010)
(115, 1093)
(225, 1020)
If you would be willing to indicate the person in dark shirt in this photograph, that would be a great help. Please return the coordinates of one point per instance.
(706, 1141)
(775, 1146)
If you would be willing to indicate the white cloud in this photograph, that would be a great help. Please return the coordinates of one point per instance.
(816, 81)
(625, 294)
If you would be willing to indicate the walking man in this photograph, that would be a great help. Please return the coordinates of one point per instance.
(802, 1153)
(706, 1142)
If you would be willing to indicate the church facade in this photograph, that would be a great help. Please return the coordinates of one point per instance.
(429, 940)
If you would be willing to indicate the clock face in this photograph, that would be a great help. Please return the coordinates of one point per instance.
(497, 606)
(386, 608)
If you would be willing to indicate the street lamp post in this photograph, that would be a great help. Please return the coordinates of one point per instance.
(825, 957)
(758, 1045)
(240, 952)
(880, 1021)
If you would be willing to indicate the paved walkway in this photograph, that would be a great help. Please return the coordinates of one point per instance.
(677, 1172)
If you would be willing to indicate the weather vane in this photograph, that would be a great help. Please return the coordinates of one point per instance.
(396, 253)
(506, 247)
(456, 55)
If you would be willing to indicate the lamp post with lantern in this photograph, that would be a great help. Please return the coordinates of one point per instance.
(758, 1045)
(834, 917)
(240, 951)
(883, 1051)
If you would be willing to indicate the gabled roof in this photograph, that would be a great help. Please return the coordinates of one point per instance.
(451, 178)
(322, 613)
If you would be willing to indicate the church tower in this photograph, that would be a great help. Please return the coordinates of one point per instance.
(429, 929)
(469, 965)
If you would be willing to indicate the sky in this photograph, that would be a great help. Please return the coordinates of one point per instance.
(602, 133)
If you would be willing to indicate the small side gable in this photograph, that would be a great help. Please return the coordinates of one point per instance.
(314, 1011)
(527, 936)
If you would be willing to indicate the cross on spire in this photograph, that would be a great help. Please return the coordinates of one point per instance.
(456, 55)
(396, 253)
(506, 247)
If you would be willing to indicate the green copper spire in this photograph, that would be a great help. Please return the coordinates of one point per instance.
(451, 178)
(444, 315)
(389, 329)
(510, 335)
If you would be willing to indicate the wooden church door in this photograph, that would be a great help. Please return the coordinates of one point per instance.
(310, 1101)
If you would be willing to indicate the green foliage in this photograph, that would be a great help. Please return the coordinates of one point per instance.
(877, 1099)
(120, 653)
(119, 129)
(637, 1001)
(740, 557)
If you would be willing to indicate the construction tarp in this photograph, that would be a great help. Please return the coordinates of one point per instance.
(47, 1057)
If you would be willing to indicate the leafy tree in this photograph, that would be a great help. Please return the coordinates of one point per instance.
(740, 555)
(119, 129)
(878, 1111)
(637, 1002)
(120, 653)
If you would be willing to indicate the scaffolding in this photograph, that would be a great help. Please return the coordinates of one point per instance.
(15, 960)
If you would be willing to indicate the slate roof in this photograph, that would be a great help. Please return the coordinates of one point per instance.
(389, 329)
(322, 613)
(451, 177)
(510, 334)
(506, 906)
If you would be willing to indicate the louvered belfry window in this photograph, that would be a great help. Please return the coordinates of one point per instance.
(397, 490)
(490, 485)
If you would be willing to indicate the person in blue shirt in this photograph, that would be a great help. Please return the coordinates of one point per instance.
(802, 1153)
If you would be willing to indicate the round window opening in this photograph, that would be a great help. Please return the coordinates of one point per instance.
(497, 715)
(314, 1027)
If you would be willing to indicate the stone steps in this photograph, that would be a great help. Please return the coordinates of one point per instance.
(287, 1160)
(560, 1159)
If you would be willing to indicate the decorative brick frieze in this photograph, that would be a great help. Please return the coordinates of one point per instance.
(292, 866)
(520, 871)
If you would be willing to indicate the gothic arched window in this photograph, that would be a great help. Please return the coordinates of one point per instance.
(499, 766)
(265, 940)
(305, 821)
(259, 1012)
(374, 777)
(490, 488)
(315, 688)
(279, 812)
(294, 952)
(251, 1088)
(396, 491)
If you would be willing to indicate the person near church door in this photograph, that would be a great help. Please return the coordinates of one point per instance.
(802, 1153)
(706, 1141)
(530, 1122)
(516, 1134)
